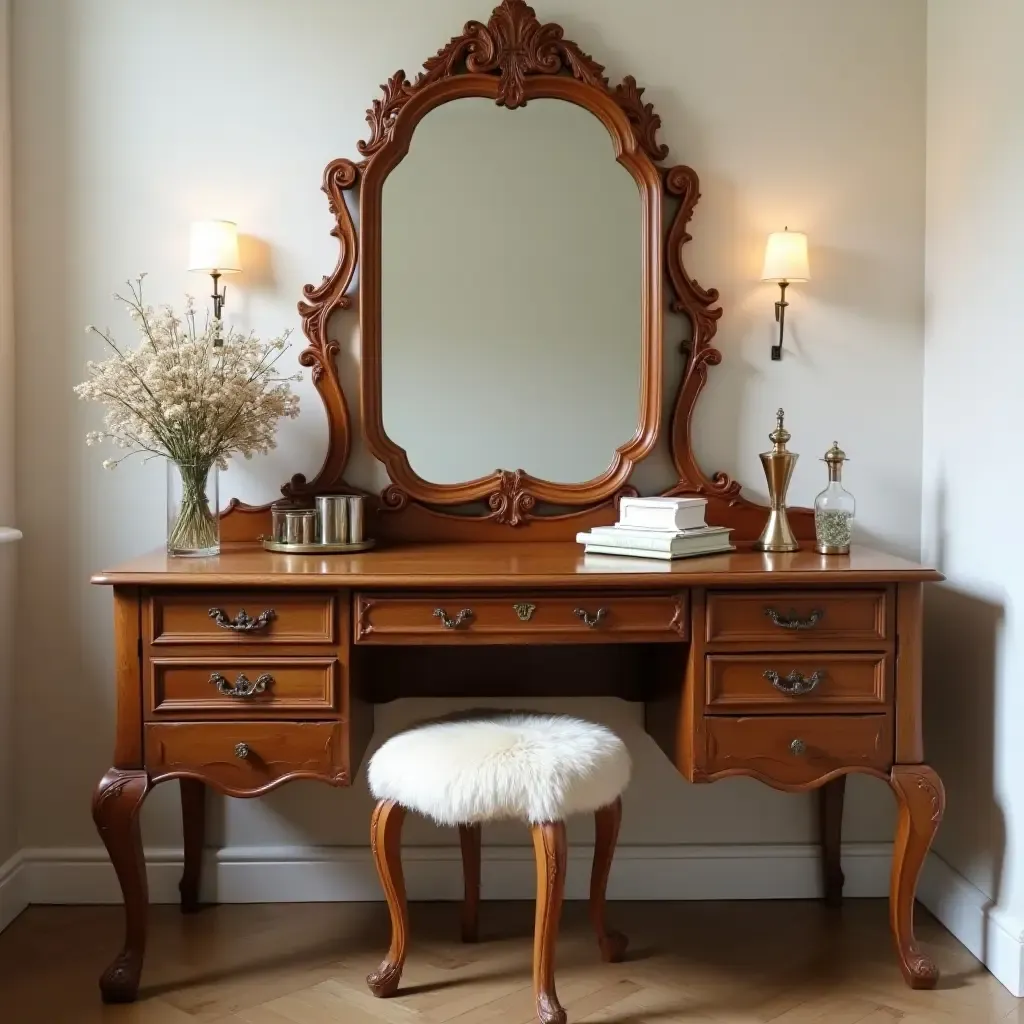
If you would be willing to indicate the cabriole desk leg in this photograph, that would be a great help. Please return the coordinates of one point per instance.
(115, 809)
(922, 800)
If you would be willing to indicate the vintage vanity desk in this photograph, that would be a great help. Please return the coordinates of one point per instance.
(516, 275)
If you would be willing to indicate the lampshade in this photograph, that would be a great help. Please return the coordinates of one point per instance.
(213, 246)
(785, 257)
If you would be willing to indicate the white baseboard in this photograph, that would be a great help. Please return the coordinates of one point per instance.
(13, 889)
(989, 933)
(342, 874)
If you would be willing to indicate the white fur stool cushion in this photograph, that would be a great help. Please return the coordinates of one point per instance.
(533, 767)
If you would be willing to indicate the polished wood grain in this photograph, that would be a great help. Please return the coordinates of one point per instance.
(386, 847)
(793, 618)
(305, 963)
(607, 820)
(798, 751)
(831, 797)
(736, 683)
(520, 617)
(512, 566)
(910, 674)
(549, 848)
(127, 678)
(248, 758)
(470, 841)
(185, 687)
(193, 829)
(182, 617)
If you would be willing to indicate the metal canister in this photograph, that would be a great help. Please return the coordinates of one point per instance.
(355, 518)
(332, 512)
(300, 526)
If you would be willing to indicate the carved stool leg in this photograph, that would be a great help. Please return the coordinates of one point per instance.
(830, 826)
(193, 823)
(549, 849)
(386, 845)
(115, 809)
(606, 834)
(922, 799)
(469, 838)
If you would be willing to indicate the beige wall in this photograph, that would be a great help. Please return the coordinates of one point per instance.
(974, 363)
(131, 120)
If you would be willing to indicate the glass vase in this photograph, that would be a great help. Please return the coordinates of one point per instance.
(834, 508)
(193, 523)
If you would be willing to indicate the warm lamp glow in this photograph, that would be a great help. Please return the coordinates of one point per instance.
(213, 247)
(785, 257)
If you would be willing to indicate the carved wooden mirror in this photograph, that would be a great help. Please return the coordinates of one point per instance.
(512, 251)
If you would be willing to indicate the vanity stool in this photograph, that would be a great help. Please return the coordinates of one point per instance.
(484, 767)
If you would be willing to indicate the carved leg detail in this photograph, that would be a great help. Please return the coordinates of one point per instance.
(469, 837)
(549, 849)
(386, 845)
(830, 825)
(606, 821)
(922, 799)
(193, 822)
(115, 809)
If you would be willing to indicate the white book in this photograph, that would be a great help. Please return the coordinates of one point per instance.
(662, 513)
(601, 549)
(620, 531)
(634, 540)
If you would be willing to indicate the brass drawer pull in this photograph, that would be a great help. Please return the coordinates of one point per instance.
(243, 623)
(791, 621)
(591, 621)
(798, 747)
(795, 684)
(242, 750)
(243, 686)
(461, 619)
(524, 611)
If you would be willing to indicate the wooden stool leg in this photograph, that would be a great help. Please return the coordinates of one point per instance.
(606, 821)
(469, 837)
(386, 845)
(193, 824)
(830, 827)
(549, 850)
(115, 809)
(922, 799)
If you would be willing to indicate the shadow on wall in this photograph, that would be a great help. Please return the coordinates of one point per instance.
(962, 637)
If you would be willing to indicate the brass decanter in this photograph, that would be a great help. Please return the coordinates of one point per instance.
(778, 469)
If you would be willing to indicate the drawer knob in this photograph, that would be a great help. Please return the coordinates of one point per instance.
(793, 621)
(795, 684)
(243, 623)
(242, 750)
(798, 747)
(461, 619)
(244, 687)
(591, 621)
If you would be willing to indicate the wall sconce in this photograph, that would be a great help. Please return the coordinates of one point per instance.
(785, 261)
(213, 249)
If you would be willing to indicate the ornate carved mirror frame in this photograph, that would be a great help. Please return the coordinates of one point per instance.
(511, 59)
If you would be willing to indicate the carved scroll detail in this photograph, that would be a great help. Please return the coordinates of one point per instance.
(512, 502)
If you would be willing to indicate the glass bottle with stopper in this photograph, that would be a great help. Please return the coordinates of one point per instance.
(834, 508)
(778, 464)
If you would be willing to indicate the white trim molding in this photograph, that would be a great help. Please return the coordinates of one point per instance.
(995, 938)
(343, 873)
(13, 889)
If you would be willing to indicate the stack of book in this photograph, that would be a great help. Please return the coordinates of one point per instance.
(658, 528)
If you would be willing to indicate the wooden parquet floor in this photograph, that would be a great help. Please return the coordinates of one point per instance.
(696, 963)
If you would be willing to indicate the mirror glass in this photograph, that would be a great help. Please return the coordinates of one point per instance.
(510, 294)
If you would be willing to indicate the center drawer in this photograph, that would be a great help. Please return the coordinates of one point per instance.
(242, 686)
(467, 617)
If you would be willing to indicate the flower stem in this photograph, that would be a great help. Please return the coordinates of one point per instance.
(195, 527)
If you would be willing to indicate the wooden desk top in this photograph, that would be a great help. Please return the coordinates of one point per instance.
(514, 564)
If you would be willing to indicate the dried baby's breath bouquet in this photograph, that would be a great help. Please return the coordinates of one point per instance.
(193, 395)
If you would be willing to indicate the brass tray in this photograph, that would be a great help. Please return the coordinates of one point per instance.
(316, 549)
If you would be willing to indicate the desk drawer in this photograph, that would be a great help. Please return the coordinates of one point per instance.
(794, 750)
(519, 618)
(788, 683)
(242, 686)
(242, 617)
(788, 618)
(248, 757)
